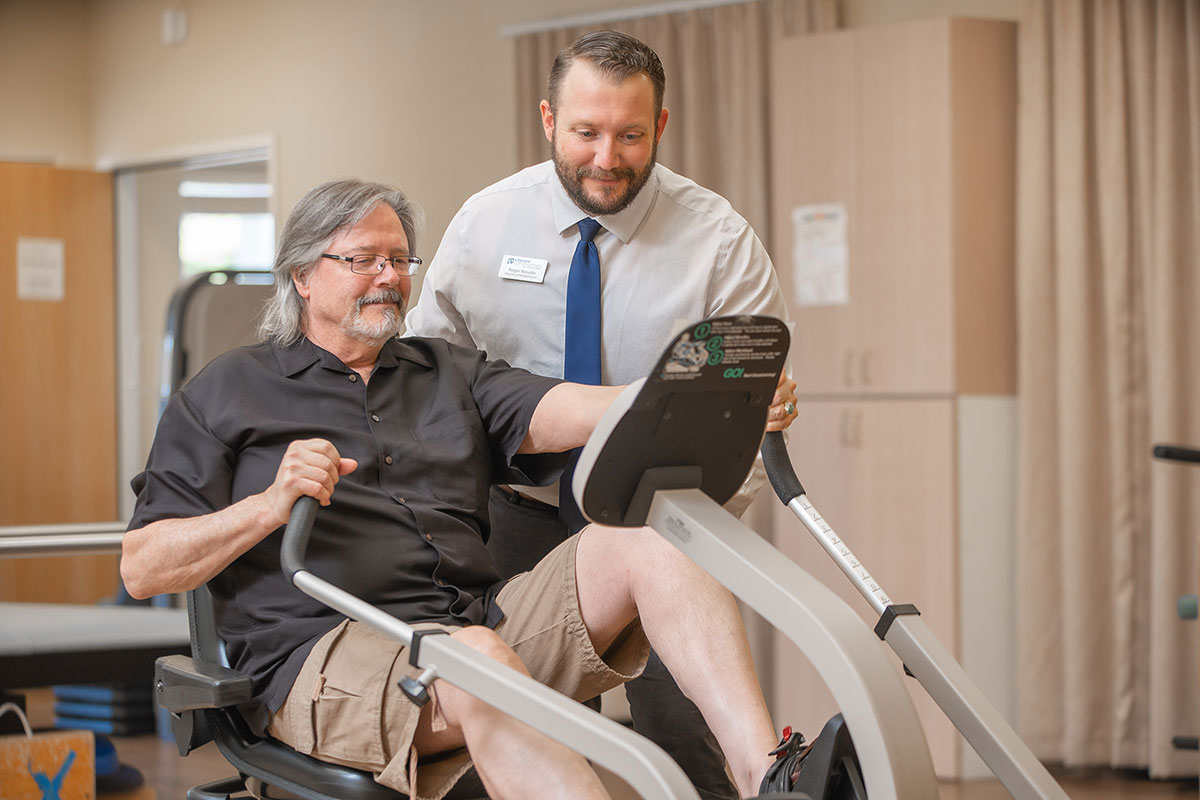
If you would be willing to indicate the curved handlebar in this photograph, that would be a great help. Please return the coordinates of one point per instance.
(295, 536)
(779, 467)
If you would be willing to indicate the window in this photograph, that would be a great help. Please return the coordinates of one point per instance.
(224, 223)
(209, 241)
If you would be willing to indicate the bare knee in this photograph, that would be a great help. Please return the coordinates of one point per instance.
(635, 550)
(489, 643)
(616, 567)
(458, 708)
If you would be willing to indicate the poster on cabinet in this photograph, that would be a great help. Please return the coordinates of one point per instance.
(820, 256)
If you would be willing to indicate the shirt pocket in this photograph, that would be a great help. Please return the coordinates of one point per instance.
(459, 460)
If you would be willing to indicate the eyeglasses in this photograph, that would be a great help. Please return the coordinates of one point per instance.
(372, 264)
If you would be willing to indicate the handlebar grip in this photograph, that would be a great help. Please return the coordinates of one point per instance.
(1175, 453)
(295, 536)
(779, 468)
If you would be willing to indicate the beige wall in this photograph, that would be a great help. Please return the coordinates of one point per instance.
(45, 105)
(410, 91)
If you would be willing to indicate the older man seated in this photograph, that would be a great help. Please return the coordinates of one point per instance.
(401, 439)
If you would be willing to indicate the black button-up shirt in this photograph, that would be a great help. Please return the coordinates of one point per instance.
(434, 427)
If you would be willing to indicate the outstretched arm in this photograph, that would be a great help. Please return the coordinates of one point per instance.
(175, 555)
(565, 417)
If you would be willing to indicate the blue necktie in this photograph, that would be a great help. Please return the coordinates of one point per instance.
(581, 347)
(581, 351)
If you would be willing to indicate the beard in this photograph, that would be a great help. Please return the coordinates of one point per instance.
(613, 200)
(379, 331)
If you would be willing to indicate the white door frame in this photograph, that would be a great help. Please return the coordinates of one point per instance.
(131, 448)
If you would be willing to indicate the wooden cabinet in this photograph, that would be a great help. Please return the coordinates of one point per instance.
(921, 490)
(906, 415)
(879, 472)
(57, 406)
(912, 129)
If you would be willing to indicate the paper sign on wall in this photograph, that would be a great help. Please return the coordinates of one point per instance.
(40, 271)
(820, 271)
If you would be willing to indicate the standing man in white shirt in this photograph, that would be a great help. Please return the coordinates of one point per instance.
(669, 252)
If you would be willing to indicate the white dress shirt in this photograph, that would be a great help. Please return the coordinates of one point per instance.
(678, 254)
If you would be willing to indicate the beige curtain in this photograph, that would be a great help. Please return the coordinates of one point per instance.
(1109, 363)
(716, 60)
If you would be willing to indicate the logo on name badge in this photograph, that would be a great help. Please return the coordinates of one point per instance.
(522, 268)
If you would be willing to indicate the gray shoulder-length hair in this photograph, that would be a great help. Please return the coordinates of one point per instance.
(316, 219)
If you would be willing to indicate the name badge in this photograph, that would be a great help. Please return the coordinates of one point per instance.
(520, 268)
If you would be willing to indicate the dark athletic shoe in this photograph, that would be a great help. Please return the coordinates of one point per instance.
(789, 760)
(825, 769)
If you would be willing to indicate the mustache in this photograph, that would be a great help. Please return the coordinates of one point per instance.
(627, 173)
(382, 296)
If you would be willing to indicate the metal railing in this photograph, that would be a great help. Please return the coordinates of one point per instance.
(82, 538)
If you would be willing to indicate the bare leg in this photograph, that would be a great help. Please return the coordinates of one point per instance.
(513, 760)
(694, 625)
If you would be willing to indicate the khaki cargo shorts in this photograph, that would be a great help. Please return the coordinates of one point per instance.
(345, 707)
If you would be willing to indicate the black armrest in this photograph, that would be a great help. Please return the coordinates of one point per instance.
(185, 684)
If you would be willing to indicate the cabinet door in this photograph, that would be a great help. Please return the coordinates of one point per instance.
(904, 334)
(882, 474)
(863, 119)
(58, 406)
(813, 161)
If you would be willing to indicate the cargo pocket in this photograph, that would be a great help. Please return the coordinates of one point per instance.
(347, 698)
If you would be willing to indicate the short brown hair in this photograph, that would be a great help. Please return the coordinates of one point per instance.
(615, 54)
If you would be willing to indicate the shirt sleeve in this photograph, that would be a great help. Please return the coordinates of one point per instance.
(744, 282)
(189, 471)
(436, 313)
(506, 397)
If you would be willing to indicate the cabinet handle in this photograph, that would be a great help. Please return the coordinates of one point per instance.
(850, 427)
(864, 366)
(848, 368)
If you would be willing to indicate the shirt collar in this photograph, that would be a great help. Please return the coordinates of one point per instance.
(394, 350)
(624, 224)
(298, 357)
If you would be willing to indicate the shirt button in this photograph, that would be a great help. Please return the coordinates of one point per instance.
(354, 379)
(375, 417)
(429, 537)
(388, 459)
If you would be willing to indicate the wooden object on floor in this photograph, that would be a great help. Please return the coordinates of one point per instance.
(48, 764)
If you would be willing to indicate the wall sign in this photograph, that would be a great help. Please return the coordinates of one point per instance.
(40, 270)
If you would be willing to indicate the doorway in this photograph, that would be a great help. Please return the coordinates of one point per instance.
(174, 221)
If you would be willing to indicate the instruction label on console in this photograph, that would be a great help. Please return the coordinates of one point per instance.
(727, 348)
